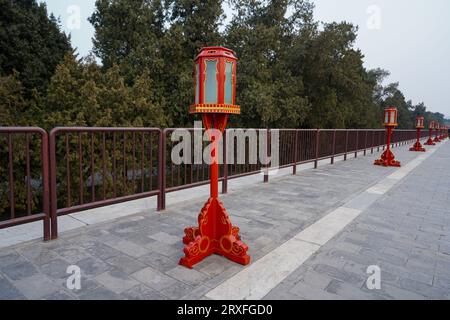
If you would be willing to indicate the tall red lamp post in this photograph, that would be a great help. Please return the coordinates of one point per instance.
(419, 126)
(215, 96)
(430, 141)
(390, 122)
(437, 128)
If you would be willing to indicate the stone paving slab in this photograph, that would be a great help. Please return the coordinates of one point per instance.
(136, 257)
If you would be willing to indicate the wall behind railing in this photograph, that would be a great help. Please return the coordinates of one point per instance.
(43, 176)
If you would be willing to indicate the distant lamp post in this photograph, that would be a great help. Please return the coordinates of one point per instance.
(390, 122)
(215, 96)
(436, 129)
(419, 126)
(430, 141)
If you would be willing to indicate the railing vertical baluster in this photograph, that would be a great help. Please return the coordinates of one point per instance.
(294, 168)
(346, 145)
(334, 147)
(114, 175)
(28, 173)
(162, 171)
(357, 143)
(142, 160)
(46, 194)
(373, 141)
(365, 144)
(151, 162)
(133, 163)
(104, 165)
(80, 168)
(124, 159)
(50, 195)
(68, 172)
(316, 162)
(92, 169)
(12, 201)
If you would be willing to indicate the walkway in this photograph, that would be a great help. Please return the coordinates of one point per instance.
(311, 236)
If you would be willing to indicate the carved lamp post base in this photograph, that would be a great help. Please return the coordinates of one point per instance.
(417, 147)
(387, 160)
(214, 235)
(430, 142)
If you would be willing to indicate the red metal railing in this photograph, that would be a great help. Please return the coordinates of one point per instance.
(84, 168)
(25, 187)
(110, 165)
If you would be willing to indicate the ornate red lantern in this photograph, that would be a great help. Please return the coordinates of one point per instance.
(430, 141)
(419, 126)
(215, 98)
(437, 126)
(390, 122)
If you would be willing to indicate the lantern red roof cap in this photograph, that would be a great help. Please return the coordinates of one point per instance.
(216, 51)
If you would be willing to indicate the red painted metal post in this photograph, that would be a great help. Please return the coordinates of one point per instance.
(46, 185)
(53, 194)
(365, 143)
(294, 168)
(316, 162)
(162, 171)
(334, 147)
(346, 145)
(373, 141)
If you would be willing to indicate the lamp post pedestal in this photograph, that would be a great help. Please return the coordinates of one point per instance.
(417, 147)
(215, 95)
(430, 141)
(436, 138)
(387, 158)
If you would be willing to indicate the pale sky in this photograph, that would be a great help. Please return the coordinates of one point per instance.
(409, 38)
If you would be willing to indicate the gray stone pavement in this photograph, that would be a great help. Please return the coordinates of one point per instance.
(406, 232)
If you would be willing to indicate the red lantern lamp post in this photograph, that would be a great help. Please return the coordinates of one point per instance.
(419, 126)
(430, 141)
(390, 122)
(215, 96)
(442, 127)
(437, 128)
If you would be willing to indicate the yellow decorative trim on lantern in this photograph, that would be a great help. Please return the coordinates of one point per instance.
(215, 108)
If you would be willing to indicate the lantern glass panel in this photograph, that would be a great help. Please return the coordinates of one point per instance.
(211, 81)
(392, 119)
(197, 83)
(386, 117)
(229, 83)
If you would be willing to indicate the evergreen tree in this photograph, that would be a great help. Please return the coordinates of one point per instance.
(30, 43)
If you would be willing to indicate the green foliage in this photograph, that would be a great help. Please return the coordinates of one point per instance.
(80, 94)
(31, 43)
(293, 72)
